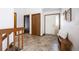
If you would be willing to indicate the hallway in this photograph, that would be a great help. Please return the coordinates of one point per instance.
(40, 43)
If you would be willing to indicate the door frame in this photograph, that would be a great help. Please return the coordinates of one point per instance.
(39, 22)
(29, 22)
(48, 15)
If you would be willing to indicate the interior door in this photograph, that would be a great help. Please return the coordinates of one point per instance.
(50, 24)
(36, 24)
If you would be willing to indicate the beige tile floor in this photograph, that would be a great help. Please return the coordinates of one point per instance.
(40, 43)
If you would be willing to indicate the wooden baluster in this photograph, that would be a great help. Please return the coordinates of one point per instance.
(18, 39)
(22, 39)
(7, 41)
(14, 38)
(0, 42)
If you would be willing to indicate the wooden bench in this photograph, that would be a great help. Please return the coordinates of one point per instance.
(64, 44)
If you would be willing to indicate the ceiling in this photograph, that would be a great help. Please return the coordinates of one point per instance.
(51, 9)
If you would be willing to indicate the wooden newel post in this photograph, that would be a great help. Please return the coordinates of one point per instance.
(22, 38)
(14, 37)
(18, 39)
(0, 42)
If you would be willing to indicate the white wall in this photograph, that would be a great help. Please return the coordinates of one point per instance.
(6, 21)
(29, 11)
(25, 11)
(20, 16)
(42, 24)
(72, 28)
(6, 18)
(75, 13)
(45, 12)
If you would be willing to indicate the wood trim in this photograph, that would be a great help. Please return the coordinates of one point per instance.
(4, 37)
(7, 41)
(22, 40)
(0, 42)
(15, 20)
(14, 39)
(18, 40)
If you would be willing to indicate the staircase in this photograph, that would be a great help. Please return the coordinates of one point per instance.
(19, 32)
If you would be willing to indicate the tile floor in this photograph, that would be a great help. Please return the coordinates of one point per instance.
(40, 43)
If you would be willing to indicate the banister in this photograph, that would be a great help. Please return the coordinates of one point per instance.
(8, 32)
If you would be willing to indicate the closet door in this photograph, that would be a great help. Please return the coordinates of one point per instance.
(36, 24)
(50, 21)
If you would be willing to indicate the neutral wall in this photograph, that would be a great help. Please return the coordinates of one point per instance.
(43, 13)
(25, 11)
(72, 28)
(6, 21)
(20, 13)
(6, 18)
(29, 11)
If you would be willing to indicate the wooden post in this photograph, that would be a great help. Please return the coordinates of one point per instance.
(7, 41)
(22, 38)
(18, 39)
(0, 42)
(14, 38)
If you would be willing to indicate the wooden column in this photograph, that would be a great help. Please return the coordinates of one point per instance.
(22, 39)
(18, 39)
(7, 41)
(0, 42)
(14, 38)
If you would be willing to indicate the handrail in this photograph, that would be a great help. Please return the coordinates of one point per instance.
(7, 33)
(18, 30)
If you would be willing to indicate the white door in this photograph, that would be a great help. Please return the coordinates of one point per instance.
(50, 24)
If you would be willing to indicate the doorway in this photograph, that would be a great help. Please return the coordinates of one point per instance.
(26, 23)
(51, 23)
(36, 24)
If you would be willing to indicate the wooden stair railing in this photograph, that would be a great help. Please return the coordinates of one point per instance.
(7, 32)
(18, 34)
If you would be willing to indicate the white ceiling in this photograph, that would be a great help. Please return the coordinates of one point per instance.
(51, 9)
